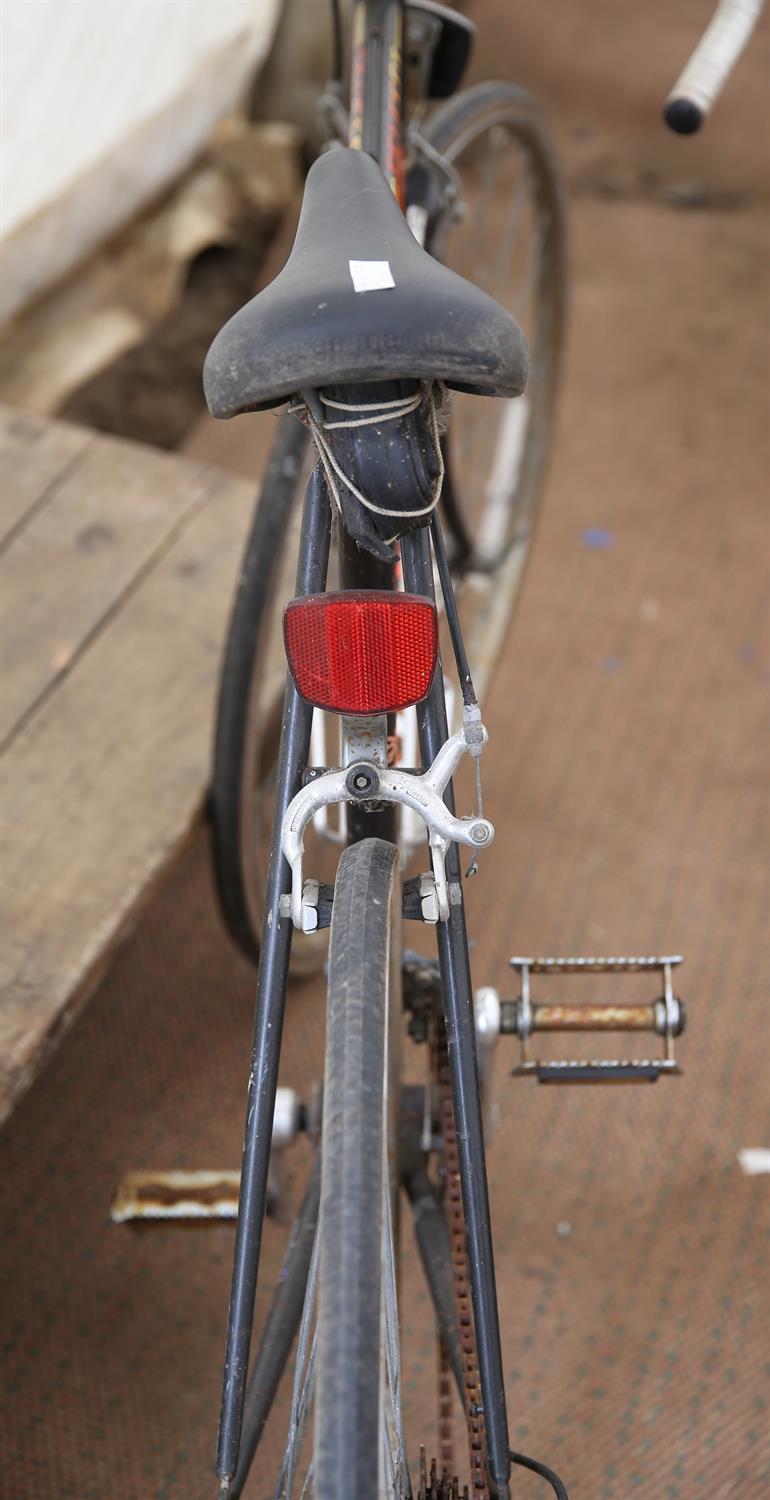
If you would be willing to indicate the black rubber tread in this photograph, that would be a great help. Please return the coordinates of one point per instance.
(480, 105)
(239, 680)
(348, 1358)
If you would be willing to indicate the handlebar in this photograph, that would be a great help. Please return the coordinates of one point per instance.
(711, 63)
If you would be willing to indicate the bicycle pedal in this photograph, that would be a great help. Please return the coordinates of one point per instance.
(600, 1070)
(176, 1195)
(195, 1196)
(663, 1017)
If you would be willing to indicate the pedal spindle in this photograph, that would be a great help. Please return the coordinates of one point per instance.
(663, 1017)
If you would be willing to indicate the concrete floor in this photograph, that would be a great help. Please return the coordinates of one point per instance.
(626, 778)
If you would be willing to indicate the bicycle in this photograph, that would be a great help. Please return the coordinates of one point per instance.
(362, 333)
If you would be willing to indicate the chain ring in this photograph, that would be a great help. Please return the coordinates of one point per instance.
(438, 1487)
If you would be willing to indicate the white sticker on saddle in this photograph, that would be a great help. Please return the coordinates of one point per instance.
(371, 275)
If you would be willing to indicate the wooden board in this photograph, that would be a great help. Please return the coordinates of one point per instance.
(107, 519)
(106, 768)
(34, 457)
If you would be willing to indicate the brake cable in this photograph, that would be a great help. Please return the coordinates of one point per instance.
(543, 1470)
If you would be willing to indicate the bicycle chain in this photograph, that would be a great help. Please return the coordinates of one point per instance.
(477, 1445)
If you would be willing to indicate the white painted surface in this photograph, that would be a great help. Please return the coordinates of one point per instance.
(103, 103)
(79, 75)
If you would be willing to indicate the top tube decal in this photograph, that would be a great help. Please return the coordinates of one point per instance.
(371, 275)
(358, 79)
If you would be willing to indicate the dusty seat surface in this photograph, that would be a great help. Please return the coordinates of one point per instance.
(359, 300)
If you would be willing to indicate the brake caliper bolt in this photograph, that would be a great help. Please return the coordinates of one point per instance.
(479, 832)
(362, 781)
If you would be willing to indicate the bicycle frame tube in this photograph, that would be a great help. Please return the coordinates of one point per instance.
(457, 990)
(376, 97)
(268, 1021)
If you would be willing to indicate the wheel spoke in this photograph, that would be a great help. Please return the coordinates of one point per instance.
(503, 476)
(304, 1381)
(509, 236)
(393, 1432)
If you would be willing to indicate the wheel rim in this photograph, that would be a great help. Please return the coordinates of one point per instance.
(509, 241)
(506, 242)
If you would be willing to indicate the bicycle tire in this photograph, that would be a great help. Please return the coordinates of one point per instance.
(236, 791)
(361, 1069)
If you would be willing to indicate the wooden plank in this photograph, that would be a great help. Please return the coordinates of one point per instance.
(68, 568)
(105, 780)
(34, 454)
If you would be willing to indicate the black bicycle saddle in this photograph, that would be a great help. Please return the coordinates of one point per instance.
(359, 300)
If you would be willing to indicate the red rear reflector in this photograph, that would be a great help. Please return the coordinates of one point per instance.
(364, 651)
